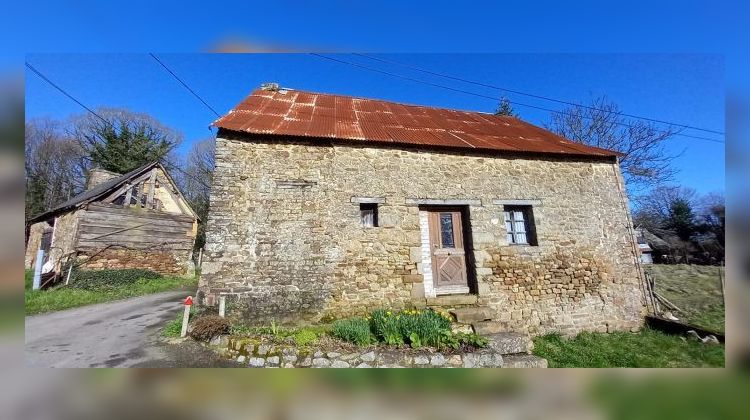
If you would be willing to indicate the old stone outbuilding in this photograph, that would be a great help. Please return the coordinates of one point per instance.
(136, 220)
(324, 206)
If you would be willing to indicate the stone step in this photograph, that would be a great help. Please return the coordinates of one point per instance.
(471, 314)
(524, 361)
(488, 327)
(452, 300)
(509, 343)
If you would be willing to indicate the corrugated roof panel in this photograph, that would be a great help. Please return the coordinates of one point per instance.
(298, 113)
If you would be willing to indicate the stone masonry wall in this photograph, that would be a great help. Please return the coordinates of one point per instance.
(163, 262)
(284, 237)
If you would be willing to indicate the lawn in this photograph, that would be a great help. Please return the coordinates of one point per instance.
(62, 297)
(647, 348)
(695, 289)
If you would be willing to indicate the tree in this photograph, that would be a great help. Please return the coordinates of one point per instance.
(682, 219)
(195, 182)
(645, 163)
(505, 108)
(54, 165)
(124, 140)
(712, 216)
(653, 210)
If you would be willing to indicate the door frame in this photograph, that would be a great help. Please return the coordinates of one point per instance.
(431, 290)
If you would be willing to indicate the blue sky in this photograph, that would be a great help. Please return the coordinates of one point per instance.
(686, 89)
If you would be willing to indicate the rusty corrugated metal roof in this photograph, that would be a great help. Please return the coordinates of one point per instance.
(307, 114)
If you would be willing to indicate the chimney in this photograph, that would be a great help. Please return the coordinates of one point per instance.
(97, 176)
(273, 87)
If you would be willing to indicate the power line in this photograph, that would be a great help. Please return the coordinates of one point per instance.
(485, 96)
(43, 77)
(46, 79)
(184, 84)
(546, 98)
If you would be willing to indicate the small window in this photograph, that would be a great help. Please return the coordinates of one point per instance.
(519, 225)
(446, 230)
(368, 213)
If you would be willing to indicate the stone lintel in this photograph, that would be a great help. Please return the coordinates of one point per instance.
(517, 202)
(441, 202)
(368, 200)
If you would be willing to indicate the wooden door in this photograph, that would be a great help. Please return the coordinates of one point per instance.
(448, 254)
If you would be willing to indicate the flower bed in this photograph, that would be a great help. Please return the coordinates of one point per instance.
(408, 338)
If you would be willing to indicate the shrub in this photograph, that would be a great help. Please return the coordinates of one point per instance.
(108, 279)
(353, 330)
(207, 327)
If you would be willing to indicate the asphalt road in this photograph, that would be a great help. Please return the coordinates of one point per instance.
(116, 334)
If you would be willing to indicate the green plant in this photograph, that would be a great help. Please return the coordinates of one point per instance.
(173, 328)
(207, 327)
(418, 328)
(274, 327)
(109, 279)
(305, 337)
(415, 341)
(385, 325)
(472, 339)
(353, 330)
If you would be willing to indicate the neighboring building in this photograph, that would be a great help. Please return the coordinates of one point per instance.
(136, 220)
(324, 206)
(655, 245)
(647, 256)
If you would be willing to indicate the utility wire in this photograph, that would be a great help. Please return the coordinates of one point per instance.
(400, 76)
(185, 85)
(43, 77)
(46, 79)
(382, 60)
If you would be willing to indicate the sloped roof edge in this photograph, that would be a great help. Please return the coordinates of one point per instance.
(101, 190)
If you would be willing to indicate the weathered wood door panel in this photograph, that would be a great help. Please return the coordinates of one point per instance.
(448, 254)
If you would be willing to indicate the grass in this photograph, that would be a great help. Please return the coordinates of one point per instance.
(647, 348)
(302, 336)
(695, 289)
(61, 297)
(173, 328)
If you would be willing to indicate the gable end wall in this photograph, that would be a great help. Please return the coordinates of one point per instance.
(284, 238)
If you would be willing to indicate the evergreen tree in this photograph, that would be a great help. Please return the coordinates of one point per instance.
(681, 219)
(125, 141)
(505, 108)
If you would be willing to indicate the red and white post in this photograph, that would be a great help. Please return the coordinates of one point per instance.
(186, 315)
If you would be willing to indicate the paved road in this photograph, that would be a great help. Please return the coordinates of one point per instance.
(117, 334)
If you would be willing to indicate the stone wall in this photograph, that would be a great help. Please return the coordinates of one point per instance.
(64, 238)
(163, 262)
(34, 242)
(285, 238)
(264, 355)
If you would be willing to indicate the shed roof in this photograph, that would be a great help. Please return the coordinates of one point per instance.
(97, 192)
(319, 115)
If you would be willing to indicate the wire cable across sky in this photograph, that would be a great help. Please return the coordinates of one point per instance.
(493, 98)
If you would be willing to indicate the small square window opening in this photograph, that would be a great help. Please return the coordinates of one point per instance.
(519, 225)
(368, 213)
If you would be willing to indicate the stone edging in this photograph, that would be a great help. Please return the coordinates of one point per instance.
(272, 356)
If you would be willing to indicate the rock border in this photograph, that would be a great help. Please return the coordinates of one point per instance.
(265, 355)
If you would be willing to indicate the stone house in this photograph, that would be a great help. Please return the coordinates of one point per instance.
(136, 220)
(324, 206)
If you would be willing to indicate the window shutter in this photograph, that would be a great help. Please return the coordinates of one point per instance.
(519, 227)
(509, 227)
(368, 219)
